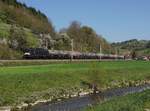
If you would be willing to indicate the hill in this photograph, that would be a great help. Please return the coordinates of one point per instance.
(13, 12)
(25, 27)
(140, 47)
(16, 16)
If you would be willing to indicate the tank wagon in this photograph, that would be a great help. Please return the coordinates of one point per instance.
(40, 53)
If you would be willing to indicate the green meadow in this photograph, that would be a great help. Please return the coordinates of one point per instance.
(26, 82)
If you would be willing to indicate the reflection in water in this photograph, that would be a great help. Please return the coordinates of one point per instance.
(78, 103)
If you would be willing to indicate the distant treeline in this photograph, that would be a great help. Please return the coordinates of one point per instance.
(18, 4)
(133, 44)
(139, 47)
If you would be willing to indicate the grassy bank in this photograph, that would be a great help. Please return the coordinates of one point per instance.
(132, 102)
(30, 83)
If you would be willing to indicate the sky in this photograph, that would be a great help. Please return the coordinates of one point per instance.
(115, 20)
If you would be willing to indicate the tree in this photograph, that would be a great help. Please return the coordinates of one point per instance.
(22, 40)
(63, 42)
(148, 44)
(74, 33)
(10, 2)
(96, 77)
(89, 38)
(133, 54)
(17, 38)
(47, 41)
(8, 53)
(85, 38)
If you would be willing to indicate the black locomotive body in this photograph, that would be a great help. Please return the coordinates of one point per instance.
(40, 53)
(36, 53)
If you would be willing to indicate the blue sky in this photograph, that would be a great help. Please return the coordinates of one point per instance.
(115, 20)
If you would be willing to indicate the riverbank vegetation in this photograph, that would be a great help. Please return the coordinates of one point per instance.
(28, 83)
(131, 102)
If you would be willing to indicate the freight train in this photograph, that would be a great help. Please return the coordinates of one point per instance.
(40, 53)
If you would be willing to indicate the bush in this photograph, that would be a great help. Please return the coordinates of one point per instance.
(7, 53)
(96, 76)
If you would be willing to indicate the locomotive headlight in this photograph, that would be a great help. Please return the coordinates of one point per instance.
(27, 54)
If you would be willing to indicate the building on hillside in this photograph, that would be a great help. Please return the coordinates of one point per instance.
(46, 41)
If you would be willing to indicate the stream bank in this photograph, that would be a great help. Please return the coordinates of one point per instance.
(78, 101)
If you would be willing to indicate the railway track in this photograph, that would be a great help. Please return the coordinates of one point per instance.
(58, 60)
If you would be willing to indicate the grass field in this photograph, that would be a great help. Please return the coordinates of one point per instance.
(31, 82)
(132, 102)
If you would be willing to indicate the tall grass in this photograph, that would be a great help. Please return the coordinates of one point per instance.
(132, 102)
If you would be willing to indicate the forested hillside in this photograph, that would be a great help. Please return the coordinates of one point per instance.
(13, 12)
(140, 47)
(25, 27)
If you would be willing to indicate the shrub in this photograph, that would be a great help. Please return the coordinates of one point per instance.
(7, 53)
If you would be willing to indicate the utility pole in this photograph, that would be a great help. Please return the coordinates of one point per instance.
(72, 49)
(116, 54)
(100, 49)
(46, 43)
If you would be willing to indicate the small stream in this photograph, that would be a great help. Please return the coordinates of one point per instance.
(79, 103)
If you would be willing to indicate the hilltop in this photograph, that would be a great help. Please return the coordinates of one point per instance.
(13, 12)
(140, 47)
